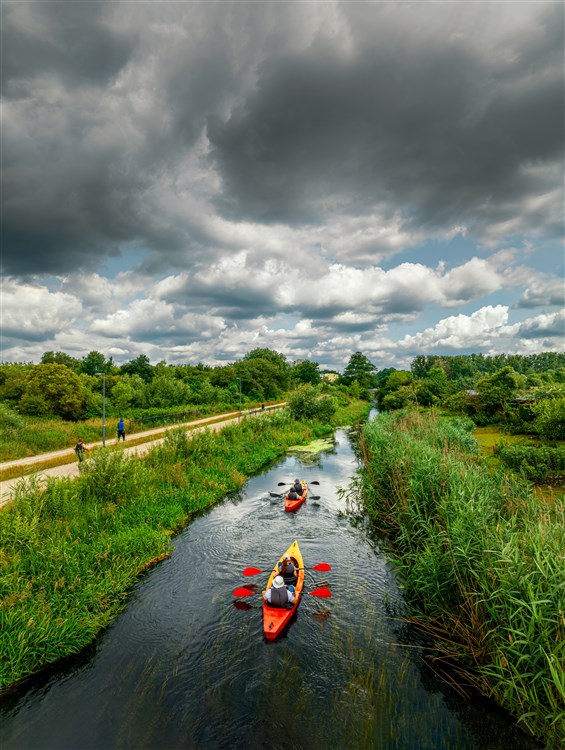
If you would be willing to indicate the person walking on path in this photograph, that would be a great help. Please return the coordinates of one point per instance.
(121, 429)
(80, 448)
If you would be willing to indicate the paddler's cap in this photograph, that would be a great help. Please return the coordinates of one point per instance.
(297, 480)
(286, 557)
(278, 583)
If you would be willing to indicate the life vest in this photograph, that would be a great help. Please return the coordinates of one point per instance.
(298, 488)
(279, 597)
(288, 572)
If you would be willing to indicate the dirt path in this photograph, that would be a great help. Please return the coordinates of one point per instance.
(154, 437)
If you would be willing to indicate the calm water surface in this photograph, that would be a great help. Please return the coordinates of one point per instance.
(182, 667)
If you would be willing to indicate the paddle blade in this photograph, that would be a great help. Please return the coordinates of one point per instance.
(314, 481)
(322, 566)
(251, 571)
(322, 593)
(243, 592)
(243, 605)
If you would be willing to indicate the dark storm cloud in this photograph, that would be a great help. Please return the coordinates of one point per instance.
(70, 40)
(438, 131)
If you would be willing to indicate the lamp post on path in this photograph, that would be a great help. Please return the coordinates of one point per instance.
(103, 407)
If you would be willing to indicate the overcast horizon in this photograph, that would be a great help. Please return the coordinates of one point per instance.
(194, 180)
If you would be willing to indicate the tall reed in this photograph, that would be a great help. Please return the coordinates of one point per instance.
(482, 557)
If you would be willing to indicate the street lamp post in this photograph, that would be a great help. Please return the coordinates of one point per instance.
(103, 407)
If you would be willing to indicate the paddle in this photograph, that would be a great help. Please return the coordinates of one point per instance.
(282, 484)
(281, 494)
(322, 592)
(255, 571)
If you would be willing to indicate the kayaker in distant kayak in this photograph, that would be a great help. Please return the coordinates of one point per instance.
(279, 595)
(287, 569)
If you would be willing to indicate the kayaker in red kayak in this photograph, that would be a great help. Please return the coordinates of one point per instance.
(287, 570)
(279, 595)
(298, 488)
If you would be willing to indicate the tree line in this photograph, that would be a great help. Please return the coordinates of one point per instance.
(526, 393)
(73, 389)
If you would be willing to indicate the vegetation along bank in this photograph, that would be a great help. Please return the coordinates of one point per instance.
(482, 554)
(69, 553)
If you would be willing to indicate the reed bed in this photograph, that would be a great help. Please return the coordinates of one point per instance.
(482, 557)
(71, 550)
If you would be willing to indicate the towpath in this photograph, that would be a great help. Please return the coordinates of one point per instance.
(154, 437)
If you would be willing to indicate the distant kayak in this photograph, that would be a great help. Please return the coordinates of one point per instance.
(292, 505)
(275, 619)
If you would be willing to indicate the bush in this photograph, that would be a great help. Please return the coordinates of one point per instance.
(306, 403)
(550, 418)
(536, 463)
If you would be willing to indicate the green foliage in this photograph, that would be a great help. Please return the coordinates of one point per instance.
(306, 372)
(396, 380)
(496, 390)
(538, 463)
(361, 369)
(166, 390)
(307, 403)
(550, 418)
(10, 420)
(139, 366)
(60, 358)
(94, 363)
(52, 389)
(264, 374)
(482, 561)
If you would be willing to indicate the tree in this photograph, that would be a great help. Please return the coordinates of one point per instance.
(60, 358)
(361, 369)
(306, 372)
(139, 366)
(307, 403)
(497, 389)
(53, 389)
(550, 418)
(95, 362)
(393, 382)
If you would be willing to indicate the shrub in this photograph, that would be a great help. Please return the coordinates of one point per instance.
(550, 418)
(536, 463)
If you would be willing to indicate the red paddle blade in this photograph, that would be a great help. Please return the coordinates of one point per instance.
(322, 566)
(322, 593)
(243, 592)
(251, 571)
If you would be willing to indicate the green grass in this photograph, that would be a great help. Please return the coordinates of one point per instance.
(482, 557)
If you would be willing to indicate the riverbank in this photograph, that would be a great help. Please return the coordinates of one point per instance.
(482, 557)
(70, 550)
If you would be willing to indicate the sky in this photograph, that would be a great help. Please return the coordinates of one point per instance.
(194, 180)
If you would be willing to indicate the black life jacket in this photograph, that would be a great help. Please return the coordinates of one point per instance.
(279, 597)
(289, 572)
(298, 488)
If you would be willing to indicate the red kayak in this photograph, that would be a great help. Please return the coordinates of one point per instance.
(292, 505)
(276, 619)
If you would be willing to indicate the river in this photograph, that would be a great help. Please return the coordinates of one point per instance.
(182, 667)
